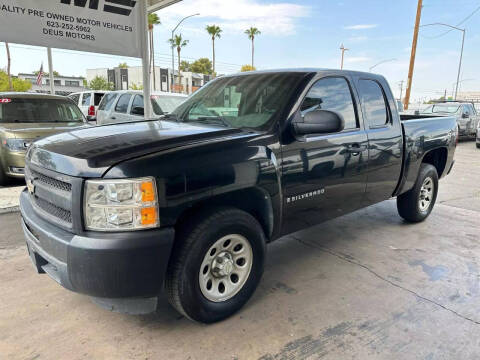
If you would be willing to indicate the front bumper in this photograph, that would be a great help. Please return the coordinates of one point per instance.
(13, 163)
(113, 265)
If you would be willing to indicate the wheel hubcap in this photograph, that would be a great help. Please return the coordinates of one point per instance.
(426, 194)
(225, 268)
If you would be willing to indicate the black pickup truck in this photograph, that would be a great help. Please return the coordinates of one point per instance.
(185, 205)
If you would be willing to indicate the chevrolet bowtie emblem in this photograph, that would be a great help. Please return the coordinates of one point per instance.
(30, 186)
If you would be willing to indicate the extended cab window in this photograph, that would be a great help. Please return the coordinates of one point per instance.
(375, 108)
(122, 104)
(332, 94)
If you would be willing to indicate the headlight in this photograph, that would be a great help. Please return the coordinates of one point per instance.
(16, 144)
(117, 205)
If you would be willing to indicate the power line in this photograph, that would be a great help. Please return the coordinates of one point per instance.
(460, 23)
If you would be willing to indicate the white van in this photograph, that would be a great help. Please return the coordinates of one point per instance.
(128, 105)
(88, 102)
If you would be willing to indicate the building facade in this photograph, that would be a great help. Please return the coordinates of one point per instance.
(132, 78)
(64, 85)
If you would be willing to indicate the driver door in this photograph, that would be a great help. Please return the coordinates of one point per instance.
(325, 175)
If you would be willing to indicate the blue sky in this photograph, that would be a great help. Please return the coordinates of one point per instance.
(307, 34)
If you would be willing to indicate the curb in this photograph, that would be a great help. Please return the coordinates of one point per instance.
(9, 210)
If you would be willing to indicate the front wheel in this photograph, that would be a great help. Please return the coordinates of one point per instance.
(216, 265)
(417, 204)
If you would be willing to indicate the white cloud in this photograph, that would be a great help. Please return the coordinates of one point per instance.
(361, 26)
(356, 59)
(238, 15)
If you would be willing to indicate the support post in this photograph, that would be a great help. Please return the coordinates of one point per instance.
(50, 71)
(148, 114)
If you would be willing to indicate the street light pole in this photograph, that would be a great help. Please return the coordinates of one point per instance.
(173, 50)
(380, 63)
(461, 52)
(343, 55)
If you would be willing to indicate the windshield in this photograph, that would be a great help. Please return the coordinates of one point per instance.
(24, 110)
(247, 101)
(167, 103)
(442, 108)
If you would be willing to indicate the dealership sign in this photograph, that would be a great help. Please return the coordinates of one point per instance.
(102, 26)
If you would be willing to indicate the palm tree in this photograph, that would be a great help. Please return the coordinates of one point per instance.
(215, 32)
(153, 20)
(9, 63)
(179, 43)
(251, 33)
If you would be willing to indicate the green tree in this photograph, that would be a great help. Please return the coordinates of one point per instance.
(136, 87)
(153, 20)
(202, 66)
(100, 83)
(17, 84)
(178, 42)
(251, 33)
(55, 73)
(246, 68)
(185, 66)
(123, 65)
(215, 32)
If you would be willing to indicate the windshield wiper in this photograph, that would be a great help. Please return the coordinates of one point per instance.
(213, 120)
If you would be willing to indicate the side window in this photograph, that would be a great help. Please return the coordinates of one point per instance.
(137, 102)
(107, 101)
(122, 104)
(86, 99)
(374, 105)
(332, 94)
(75, 98)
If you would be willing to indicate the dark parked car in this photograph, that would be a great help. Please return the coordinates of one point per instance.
(187, 205)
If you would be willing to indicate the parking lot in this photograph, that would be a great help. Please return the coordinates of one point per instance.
(366, 285)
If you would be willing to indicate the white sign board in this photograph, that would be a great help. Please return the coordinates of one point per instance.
(103, 26)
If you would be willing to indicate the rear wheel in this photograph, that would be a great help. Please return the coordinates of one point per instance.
(216, 265)
(417, 204)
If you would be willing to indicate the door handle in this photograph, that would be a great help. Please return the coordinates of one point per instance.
(113, 118)
(355, 149)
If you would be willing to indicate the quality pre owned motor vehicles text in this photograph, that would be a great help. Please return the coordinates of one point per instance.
(187, 204)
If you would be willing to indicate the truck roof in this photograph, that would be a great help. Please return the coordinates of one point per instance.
(304, 70)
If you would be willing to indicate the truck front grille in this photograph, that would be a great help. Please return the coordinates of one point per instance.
(56, 211)
(51, 195)
(50, 181)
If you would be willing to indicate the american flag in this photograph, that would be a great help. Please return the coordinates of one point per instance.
(40, 76)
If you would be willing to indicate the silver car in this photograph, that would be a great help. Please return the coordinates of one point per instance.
(127, 105)
(467, 116)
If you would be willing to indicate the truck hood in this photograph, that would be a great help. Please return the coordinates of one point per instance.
(32, 131)
(90, 152)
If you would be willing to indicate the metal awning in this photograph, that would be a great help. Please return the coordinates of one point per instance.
(155, 5)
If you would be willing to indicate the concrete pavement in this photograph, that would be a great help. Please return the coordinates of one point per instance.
(365, 286)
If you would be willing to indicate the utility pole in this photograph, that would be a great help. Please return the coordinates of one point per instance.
(343, 55)
(401, 89)
(445, 95)
(414, 53)
(460, 65)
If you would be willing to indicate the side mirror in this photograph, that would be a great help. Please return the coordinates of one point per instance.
(319, 122)
(417, 112)
(138, 110)
(466, 115)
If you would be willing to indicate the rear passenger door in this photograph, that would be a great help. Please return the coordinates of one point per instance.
(385, 139)
(324, 175)
(120, 112)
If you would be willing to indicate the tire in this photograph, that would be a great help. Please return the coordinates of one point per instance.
(410, 205)
(192, 265)
(3, 178)
(478, 145)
